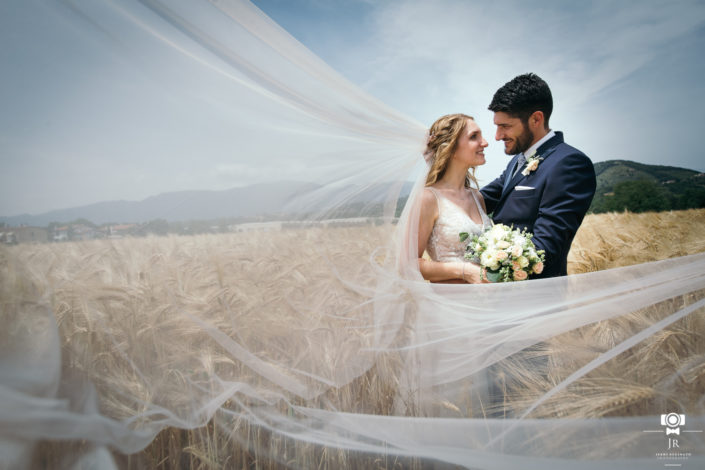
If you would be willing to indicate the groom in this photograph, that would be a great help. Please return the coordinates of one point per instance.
(549, 192)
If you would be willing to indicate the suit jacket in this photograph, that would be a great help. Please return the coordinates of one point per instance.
(561, 190)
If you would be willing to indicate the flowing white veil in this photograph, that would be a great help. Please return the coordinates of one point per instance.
(320, 343)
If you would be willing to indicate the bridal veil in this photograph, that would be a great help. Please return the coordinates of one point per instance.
(317, 343)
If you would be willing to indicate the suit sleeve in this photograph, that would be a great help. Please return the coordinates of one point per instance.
(571, 187)
(492, 192)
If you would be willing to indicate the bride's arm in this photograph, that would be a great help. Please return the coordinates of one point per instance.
(436, 271)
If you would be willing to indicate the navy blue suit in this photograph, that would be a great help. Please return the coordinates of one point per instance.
(563, 187)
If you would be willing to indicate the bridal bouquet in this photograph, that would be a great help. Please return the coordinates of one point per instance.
(506, 254)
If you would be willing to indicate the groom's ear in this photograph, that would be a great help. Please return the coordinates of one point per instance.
(536, 121)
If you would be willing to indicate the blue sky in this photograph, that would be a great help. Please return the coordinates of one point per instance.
(627, 80)
(627, 77)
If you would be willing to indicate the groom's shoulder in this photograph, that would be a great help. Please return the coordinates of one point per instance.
(569, 158)
(566, 148)
(568, 152)
(558, 147)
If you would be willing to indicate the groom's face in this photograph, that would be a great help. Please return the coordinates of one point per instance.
(516, 135)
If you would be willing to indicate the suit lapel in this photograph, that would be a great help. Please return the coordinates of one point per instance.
(544, 151)
(509, 172)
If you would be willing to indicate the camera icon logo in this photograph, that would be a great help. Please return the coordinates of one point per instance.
(673, 421)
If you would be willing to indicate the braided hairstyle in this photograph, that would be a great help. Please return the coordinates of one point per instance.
(442, 142)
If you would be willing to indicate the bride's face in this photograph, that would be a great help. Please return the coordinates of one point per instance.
(471, 146)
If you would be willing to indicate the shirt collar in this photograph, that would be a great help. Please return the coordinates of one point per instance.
(538, 144)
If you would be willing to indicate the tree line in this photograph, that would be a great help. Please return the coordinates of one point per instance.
(649, 196)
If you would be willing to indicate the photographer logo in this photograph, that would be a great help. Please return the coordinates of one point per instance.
(673, 422)
(676, 452)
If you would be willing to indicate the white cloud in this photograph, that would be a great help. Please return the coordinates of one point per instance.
(432, 58)
(582, 51)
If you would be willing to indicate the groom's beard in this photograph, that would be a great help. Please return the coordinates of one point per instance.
(521, 143)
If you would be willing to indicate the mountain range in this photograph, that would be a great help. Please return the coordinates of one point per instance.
(637, 187)
(621, 184)
(271, 200)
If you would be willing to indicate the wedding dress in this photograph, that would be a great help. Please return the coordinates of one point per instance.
(314, 345)
(444, 243)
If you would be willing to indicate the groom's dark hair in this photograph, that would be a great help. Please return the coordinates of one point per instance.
(522, 96)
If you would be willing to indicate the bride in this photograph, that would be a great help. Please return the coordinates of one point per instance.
(449, 204)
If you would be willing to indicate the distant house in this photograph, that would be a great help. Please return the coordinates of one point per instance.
(298, 224)
(255, 226)
(61, 234)
(82, 232)
(24, 234)
(102, 231)
(349, 222)
(120, 231)
(7, 236)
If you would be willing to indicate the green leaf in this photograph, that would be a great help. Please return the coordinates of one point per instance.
(464, 236)
(494, 276)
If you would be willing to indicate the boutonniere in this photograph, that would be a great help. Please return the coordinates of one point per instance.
(532, 163)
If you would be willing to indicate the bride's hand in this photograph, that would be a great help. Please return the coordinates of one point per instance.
(472, 274)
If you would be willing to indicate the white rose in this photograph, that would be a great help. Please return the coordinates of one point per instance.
(519, 240)
(489, 261)
(523, 261)
(497, 231)
(517, 251)
(503, 244)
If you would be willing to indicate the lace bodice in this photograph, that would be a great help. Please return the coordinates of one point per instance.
(444, 243)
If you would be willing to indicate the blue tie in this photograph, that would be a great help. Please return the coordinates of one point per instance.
(521, 161)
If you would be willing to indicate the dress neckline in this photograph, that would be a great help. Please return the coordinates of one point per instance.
(438, 193)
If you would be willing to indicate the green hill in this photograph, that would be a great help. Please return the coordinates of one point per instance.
(637, 187)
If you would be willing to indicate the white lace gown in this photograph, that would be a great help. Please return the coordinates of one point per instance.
(444, 244)
(471, 395)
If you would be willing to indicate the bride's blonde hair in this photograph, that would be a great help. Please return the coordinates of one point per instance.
(442, 142)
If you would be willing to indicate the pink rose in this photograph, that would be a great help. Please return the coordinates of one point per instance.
(538, 267)
(516, 266)
(520, 275)
(502, 255)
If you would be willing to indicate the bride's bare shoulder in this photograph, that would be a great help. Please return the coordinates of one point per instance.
(429, 203)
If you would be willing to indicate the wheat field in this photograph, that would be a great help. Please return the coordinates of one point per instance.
(133, 284)
(621, 239)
